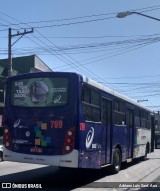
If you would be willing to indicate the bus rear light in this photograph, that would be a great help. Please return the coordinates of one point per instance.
(7, 144)
(69, 141)
(69, 133)
(7, 137)
(68, 148)
(6, 131)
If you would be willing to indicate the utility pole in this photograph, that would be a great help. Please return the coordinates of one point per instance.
(9, 53)
(10, 35)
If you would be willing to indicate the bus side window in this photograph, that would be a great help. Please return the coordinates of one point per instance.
(119, 112)
(91, 104)
(86, 95)
(143, 118)
(129, 120)
(148, 120)
(106, 112)
(137, 120)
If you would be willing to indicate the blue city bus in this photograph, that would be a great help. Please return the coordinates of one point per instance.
(68, 120)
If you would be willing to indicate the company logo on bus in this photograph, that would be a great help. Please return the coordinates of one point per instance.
(89, 138)
(57, 99)
(16, 123)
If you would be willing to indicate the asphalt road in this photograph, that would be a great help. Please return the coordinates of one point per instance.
(135, 174)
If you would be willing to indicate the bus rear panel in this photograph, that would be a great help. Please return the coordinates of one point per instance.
(66, 120)
(40, 119)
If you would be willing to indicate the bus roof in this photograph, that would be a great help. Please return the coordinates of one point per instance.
(112, 92)
(92, 83)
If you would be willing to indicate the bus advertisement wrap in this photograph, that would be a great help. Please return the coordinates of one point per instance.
(39, 92)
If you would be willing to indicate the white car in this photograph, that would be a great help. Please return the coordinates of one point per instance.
(1, 153)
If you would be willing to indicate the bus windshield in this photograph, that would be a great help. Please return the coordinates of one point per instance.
(39, 92)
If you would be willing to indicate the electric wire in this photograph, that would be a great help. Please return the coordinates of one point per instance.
(69, 56)
(144, 9)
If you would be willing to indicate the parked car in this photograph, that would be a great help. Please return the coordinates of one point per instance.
(1, 149)
(1, 153)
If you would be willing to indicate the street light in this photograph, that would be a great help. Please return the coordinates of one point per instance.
(127, 13)
(142, 100)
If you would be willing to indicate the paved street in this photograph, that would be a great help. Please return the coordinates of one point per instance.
(136, 176)
(138, 173)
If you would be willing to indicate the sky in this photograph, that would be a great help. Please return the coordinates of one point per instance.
(86, 37)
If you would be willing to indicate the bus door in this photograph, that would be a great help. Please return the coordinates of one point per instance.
(106, 131)
(130, 129)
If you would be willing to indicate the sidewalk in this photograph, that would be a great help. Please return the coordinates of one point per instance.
(136, 176)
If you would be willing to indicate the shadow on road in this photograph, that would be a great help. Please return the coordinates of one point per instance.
(51, 177)
(55, 178)
(61, 179)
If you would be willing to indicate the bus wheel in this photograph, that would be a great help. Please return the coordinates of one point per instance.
(116, 161)
(145, 156)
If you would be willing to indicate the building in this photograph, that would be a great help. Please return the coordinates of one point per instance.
(20, 65)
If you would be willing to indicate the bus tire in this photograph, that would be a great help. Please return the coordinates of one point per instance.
(117, 159)
(145, 156)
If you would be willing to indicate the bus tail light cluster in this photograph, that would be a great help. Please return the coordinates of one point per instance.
(7, 138)
(69, 141)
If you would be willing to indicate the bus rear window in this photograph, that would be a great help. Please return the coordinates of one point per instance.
(39, 92)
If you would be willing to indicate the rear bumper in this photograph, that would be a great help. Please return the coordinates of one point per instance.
(68, 160)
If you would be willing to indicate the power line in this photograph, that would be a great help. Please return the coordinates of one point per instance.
(96, 37)
(147, 9)
(61, 50)
(58, 47)
(102, 46)
(133, 77)
(58, 20)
